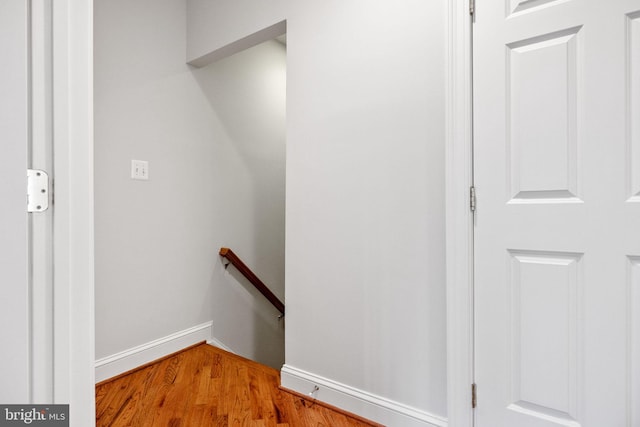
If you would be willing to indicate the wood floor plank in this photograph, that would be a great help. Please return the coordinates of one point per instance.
(208, 387)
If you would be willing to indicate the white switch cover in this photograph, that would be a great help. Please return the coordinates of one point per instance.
(139, 169)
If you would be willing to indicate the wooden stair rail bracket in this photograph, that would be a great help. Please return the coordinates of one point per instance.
(255, 281)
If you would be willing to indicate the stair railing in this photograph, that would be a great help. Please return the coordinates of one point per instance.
(252, 278)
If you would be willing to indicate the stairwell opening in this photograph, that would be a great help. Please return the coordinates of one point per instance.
(247, 93)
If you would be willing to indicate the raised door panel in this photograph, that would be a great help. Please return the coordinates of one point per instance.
(542, 108)
(545, 306)
(633, 357)
(633, 83)
(515, 7)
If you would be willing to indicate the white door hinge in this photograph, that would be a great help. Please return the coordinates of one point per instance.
(472, 198)
(472, 7)
(37, 190)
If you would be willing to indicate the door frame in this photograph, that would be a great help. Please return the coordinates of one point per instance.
(73, 228)
(73, 242)
(459, 218)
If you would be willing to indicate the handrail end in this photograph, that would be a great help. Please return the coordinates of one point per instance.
(250, 275)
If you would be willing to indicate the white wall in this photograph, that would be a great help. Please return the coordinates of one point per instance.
(214, 139)
(365, 196)
(236, 22)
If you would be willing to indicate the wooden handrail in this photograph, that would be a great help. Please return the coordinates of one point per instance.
(255, 281)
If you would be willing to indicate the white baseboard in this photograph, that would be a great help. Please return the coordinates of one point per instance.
(364, 404)
(217, 343)
(118, 363)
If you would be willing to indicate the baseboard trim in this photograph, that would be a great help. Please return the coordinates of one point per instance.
(362, 403)
(116, 364)
(217, 343)
(146, 365)
(311, 401)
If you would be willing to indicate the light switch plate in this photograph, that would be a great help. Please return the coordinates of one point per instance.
(139, 169)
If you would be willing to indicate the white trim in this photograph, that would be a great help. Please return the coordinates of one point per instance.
(459, 227)
(368, 405)
(41, 252)
(116, 364)
(73, 280)
(217, 343)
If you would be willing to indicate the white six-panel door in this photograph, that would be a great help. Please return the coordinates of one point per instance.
(557, 232)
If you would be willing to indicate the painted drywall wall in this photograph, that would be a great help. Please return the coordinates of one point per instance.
(214, 140)
(235, 21)
(365, 246)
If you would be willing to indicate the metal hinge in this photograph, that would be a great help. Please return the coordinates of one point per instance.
(472, 198)
(472, 7)
(37, 190)
(474, 396)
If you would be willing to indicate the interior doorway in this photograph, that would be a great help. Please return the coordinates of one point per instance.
(207, 136)
(247, 92)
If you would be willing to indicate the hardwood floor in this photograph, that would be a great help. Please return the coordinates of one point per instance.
(206, 386)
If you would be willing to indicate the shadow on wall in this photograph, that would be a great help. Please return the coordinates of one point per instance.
(247, 93)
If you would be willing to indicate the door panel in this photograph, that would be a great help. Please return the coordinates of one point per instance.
(557, 237)
(542, 71)
(634, 350)
(14, 131)
(543, 362)
(633, 53)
